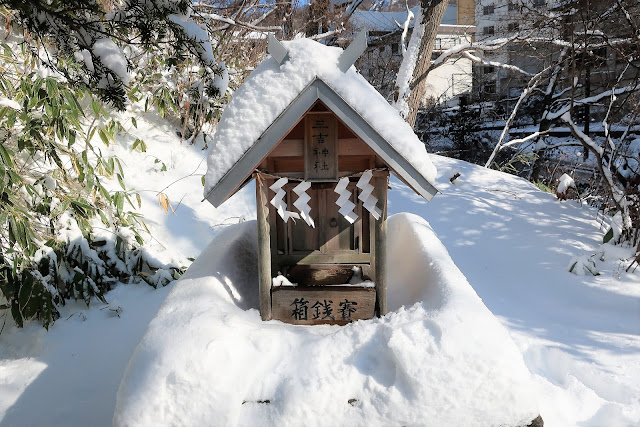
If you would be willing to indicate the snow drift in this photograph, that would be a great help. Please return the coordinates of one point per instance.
(441, 358)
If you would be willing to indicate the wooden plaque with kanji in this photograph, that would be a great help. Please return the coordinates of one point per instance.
(321, 147)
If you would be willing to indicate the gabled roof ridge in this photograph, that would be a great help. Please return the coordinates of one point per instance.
(262, 109)
(358, 125)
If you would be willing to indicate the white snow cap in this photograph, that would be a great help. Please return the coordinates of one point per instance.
(564, 182)
(111, 57)
(6, 102)
(270, 89)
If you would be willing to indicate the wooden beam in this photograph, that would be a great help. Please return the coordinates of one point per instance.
(317, 257)
(351, 54)
(380, 184)
(273, 217)
(277, 49)
(264, 247)
(320, 147)
(346, 147)
(325, 274)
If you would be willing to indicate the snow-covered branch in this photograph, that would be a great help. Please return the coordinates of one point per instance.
(405, 30)
(461, 49)
(496, 64)
(533, 83)
(523, 140)
(617, 194)
(327, 34)
(627, 16)
(592, 99)
(350, 9)
(232, 22)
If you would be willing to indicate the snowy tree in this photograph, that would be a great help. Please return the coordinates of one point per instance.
(63, 233)
(411, 80)
(591, 75)
(94, 35)
(570, 64)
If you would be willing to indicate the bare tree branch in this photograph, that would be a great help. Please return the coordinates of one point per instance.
(233, 22)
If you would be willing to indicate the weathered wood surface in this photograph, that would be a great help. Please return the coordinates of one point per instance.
(325, 274)
(317, 257)
(302, 237)
(264, 247)
(338, 231)
(332, 233)
(337, 305)
(381, 183)
(346, 147)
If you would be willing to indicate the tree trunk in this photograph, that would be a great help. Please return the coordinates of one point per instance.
(432, 12)
(284, 15)
(545, 124)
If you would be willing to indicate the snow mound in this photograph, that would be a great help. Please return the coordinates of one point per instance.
(270, 88)
(441, 359)
(564, 183)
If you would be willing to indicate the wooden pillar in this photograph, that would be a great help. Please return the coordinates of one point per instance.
(381, 182)
(264, 247)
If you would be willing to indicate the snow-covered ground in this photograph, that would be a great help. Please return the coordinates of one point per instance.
(579, 335)
(442, 360)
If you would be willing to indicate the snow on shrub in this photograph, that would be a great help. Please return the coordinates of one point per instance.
(564, 183)
(583, 265)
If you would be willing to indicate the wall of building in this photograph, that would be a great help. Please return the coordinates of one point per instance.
(380, 63)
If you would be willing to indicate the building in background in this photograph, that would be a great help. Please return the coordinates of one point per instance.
(448, 84)
(533, 26)
(501, 19)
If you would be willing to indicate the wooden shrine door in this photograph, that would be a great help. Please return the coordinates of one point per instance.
(333, 240)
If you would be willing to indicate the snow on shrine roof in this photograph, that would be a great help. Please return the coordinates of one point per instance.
(271, 88)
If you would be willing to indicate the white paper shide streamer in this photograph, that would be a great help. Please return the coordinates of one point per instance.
(346, 205)
(302, 203)
(278, 200)
(368, 200)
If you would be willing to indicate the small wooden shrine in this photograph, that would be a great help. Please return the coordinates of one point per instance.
(321, 173)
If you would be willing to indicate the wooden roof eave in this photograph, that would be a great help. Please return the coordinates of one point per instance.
(240, 172)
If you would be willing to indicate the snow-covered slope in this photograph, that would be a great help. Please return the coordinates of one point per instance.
(580, 336)
(443, 359)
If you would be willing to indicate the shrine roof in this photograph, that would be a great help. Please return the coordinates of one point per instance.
(275, 90)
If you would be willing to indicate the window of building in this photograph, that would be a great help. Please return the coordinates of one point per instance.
(597, 58)
(488, 31)
(513, 26)
(488, 10)
(489, 87)
(438, 45)
(488, 69)
(539, 3)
